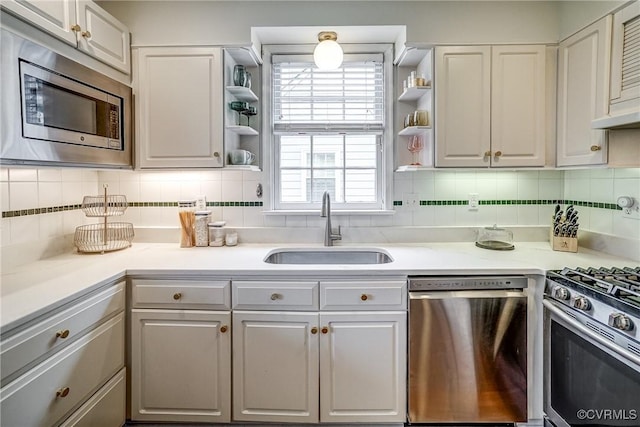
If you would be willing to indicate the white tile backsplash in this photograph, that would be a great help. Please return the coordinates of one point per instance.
(28, 188)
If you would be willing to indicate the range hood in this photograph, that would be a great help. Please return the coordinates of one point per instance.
(620, 120)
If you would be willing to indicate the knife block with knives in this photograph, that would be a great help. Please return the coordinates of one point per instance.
(563, 234)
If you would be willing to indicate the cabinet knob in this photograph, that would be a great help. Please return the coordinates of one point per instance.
(275, 296)
(596, 148)
(75, 28)
(63, 392)
(497, 154)
(325, 330)
(62, 334)
(314, 330)
(364, 297)
(216, 154)
(177, 296)
(487, 153)
(86, 34)
(223, 328)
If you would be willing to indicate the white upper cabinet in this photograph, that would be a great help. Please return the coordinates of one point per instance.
(82, 24)
(103, 37)
(490, 106)
(179, 107)
(583, 95)
(463, 105)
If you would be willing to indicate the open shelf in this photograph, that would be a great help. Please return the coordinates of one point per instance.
(243, 130)
(414, 93)
(413, 130)
(250, 168)
(242, 93)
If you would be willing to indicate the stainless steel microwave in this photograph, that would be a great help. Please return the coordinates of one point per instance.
(57, 111)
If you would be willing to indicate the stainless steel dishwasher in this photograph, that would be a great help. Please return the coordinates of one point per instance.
(467, 349)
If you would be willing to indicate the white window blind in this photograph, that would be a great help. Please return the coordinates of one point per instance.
(351, 97)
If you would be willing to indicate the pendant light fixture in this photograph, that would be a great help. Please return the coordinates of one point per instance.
(328, 53)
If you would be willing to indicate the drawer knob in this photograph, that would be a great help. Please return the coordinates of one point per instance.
(314, 330)
(364, 297)
(487, 153)
(177, 296)
(224, 328)
(63, 392)
(498, 153)
(62, 334)
(86, 34)
(596, 148)
(275, 296)
(325, 330)
(75, 28)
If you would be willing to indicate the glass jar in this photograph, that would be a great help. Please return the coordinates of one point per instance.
(231, 238)
(216, 233)
(201, 227)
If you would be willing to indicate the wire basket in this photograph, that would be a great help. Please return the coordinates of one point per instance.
(105, 205)
(102, 238)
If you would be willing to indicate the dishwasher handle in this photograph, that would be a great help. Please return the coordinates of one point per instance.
(496, 293)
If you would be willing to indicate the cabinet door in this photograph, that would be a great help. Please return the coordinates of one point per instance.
(275, 366)
(518, 90)
(103, 37)
(363, 367)
(625, 54)
(180, 366)
(55, 17)
(179, 108)
(583, 95)
(463, 105)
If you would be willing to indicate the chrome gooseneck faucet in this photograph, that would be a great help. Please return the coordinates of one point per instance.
(329, 237)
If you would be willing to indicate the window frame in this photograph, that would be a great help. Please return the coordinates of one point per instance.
(384, 165)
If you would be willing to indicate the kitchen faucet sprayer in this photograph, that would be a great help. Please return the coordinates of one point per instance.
(325, 212)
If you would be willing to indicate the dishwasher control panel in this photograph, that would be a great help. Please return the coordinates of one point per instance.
(454, 283)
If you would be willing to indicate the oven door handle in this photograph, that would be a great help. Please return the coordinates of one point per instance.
(588, 332)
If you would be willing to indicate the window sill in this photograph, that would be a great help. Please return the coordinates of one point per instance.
(333, 212)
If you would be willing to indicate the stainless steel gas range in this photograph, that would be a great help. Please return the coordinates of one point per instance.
(592, 347)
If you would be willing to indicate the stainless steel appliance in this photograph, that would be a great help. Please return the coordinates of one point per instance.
(467, 349)
(55, 110)
(592, 347)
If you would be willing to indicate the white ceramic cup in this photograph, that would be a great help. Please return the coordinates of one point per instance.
(241, 157)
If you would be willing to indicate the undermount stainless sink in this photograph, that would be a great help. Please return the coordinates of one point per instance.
(331, 255)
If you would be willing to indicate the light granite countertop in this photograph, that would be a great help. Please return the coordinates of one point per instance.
(32, 289)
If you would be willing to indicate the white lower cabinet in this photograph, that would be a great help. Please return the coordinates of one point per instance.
(68, 365)
(180, 356)
(180, 366)
(362, 367)
(275, 366)
(321, 366)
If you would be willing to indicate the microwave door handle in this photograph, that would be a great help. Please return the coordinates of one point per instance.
(588, 332)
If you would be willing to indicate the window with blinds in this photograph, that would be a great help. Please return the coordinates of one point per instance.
(328, 127)
(351, 97)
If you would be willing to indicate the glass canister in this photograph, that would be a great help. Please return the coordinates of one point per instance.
(231, 238)
(201, 227)
(216, 233)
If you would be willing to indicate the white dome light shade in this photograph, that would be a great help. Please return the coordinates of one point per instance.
(328, 53)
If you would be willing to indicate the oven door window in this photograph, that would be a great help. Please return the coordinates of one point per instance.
(588, 386)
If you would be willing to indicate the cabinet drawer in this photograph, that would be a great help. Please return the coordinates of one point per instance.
(105, 408)
(29, 345)
(390, 295)
(46, 393)
(256, 295)
(151, 293)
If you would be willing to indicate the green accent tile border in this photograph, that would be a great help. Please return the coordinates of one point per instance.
(516, 202)
(51, 209)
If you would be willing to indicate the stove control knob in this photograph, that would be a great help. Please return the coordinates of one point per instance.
(561, 293)
(620, 321)
(581, 303)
